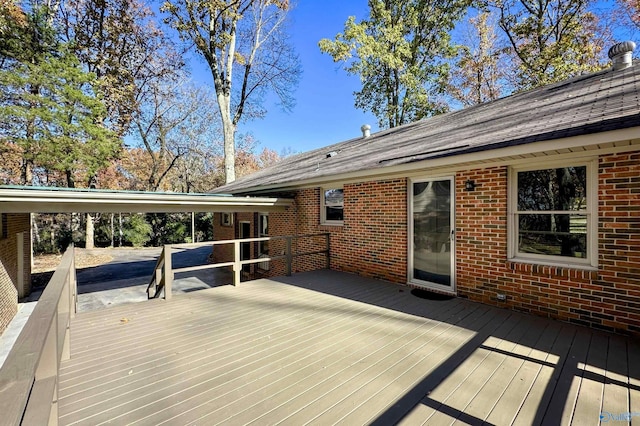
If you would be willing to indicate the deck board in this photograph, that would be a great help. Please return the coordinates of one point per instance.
(525, 372)
(589, 406)
(615, 397)
(633, 356)
(280, 388)
(333, 348)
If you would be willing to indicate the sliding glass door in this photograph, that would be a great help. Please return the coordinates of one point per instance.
(432, 226)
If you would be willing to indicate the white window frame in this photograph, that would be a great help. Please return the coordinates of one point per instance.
(263, 265)
(260, 233)
(591, 213)
(226, 219)
(323, 210)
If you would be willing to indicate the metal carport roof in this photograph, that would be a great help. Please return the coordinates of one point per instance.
(28, 199)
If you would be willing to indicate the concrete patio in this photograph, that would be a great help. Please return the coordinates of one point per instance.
(326, 347)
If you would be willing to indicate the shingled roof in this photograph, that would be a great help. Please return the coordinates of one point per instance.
(599, 102)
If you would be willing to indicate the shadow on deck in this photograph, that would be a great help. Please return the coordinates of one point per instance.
(328, 347)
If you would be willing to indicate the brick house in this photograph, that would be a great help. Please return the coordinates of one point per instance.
(530, 202)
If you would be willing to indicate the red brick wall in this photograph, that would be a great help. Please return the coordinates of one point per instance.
(9, 267)
(481, 235)
(279, 224)
(607, 299)
(223, 252)
(373, 242)
(615, 297)
(373, 238)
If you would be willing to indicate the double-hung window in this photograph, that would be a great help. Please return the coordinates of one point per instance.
(226, 219)
(553, 214)
(331, 206)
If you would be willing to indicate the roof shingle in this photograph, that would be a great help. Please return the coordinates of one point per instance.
(598, 102)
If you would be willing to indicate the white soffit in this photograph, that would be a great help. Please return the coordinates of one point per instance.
(63, 200)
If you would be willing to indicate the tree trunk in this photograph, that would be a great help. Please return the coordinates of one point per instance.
(89, 232)
(112, 231)
(229, 132)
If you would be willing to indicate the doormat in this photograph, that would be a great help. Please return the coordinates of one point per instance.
(431, 295)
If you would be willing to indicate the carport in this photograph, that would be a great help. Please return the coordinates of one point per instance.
(17, 203)
(25, 199)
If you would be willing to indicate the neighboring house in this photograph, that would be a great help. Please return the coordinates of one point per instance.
(530, 202)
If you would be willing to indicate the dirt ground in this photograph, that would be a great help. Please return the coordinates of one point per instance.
(49, 262)
(44, 265)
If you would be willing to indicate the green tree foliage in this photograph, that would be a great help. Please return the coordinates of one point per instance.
(136, 230)
(399, 52)
(551, 40)
(169, 228)
(13, 25)
(50, 110)
(25, 37)
(248, 53)
(120, 43)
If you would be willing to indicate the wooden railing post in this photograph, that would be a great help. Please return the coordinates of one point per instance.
(73, 285)
(64, 314)
(237, 267)
(328, 236)
(168, 272)
(289, 256)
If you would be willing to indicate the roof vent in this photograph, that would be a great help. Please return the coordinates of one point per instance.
(366, 130)
(620, 55)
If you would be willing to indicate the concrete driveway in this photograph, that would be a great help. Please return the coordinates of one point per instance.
(122, 280)
(125, 278)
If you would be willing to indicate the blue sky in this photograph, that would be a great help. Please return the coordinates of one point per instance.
(324, 111)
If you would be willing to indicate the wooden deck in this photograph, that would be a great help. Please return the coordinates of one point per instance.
(327, 347)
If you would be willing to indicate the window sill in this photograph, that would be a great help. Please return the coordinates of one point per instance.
(551, 270)
(332, 224)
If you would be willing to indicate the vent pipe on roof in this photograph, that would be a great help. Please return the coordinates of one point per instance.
(620, 55)
(366, 130)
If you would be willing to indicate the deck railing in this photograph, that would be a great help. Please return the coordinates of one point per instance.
(163, 273)
(29, 376)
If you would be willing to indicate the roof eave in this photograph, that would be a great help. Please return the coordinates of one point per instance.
(44, 201)
(590, 144)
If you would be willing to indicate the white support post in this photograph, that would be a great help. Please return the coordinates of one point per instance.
(289, 255)
(20, 277)
(237, 267)
(168, 272)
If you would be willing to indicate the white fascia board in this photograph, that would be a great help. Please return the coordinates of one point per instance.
(60, 201)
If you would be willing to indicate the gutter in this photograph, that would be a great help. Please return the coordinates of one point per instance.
(58, 200)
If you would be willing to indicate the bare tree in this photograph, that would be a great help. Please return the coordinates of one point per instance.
(174, 121)
(480, 70)
(248, 52)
